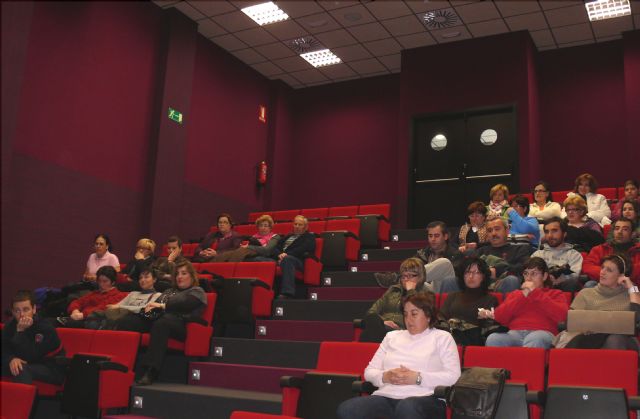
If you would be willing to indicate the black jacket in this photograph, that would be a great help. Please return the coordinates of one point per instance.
(305, 244)
(34, 344)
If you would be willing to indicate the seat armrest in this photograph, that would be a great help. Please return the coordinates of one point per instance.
(63, 361)
(378, 216)
(289, 381)
(442, 392)
(358, 323)
(634, 402)
(111, 366)
(535, 397)
(363, 387)
(256, 282)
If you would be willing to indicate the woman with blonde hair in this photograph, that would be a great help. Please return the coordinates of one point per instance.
(498, 200)
(142, 261)
(583, 232)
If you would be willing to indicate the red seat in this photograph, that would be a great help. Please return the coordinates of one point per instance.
(198, 339)
(224, 269)
(261, 298)
(246, 229)
(609, 193)
(254, 415)
(17, 400)
(253, 216)
(526, 365)
(319, 213)
(283, 228)
(384, 225)
(594, 368)
(605, 230)
(317, 227)
(189, 250)
(351, 225)
(284, 215)
(559, 196)
(347, 211)
(621, 193)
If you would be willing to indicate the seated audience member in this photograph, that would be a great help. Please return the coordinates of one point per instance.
(386, 313)
(80, 311)
(164, 268)
(498, 203)
(630, 211)
(292, 250)
(597, 206)
(134, 301)
(267, 240)
(521, 222)
(440, 260)
(505, 259)
(167, 318)
(564, 262)
(214, 245)
(543, 207)
(614, 292)
(630, 194)
(621, 244)
(474, 233)
(582, 232)
(460, 309)
(29, 345)
(407, 367)
(142, 260)
(532, 314)
(101, 257)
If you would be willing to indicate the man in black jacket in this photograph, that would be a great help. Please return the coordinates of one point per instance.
(291, 251)
(29, 344)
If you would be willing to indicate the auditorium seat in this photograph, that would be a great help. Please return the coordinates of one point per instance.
(246, 229)
(620, 193)
(605, 231)
(315, 213)
(559, 196)
(283, 228)
(253, 216)
(346, 211)
(284, 215)
(317, 227)
(17, 400)
(609, 193)
(312, 267)
(261, 297)
(341, 241)
(224, 269)
(380, 223)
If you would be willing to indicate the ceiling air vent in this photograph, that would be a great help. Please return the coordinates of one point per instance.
(304, 44)
(443, 18)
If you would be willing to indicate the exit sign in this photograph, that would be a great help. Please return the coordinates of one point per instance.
(175, 115)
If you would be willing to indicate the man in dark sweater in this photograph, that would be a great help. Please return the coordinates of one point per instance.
(291, 251)
(29, 344)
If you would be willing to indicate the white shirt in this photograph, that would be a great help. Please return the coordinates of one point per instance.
(433, 353)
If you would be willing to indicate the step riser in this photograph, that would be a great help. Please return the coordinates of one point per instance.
(240, 377)
(383, 255)
(305, 331)
(335, 279)
(264, 352)
(376, 266)
(342, 293)
(337, 311)
(416, 244)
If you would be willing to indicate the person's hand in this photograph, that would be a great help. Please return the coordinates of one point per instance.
(462, 248)
(391, 324)
(410, 284)
(139, 255)
(153, 305)
(24, 323)
(281, 256)
(509, 210)
(625, 281)
(77, 315)
(111, 306)
(15, 366)
(493, 272)
(174, 254)
(484, 313)
(472, 245)
(400, 376)
(527, 287)
(209, 252)
(530, 236)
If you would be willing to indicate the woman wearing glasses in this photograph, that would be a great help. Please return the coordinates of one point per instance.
(532, 314)
(543, 207)
(386, 313)
(583, 232)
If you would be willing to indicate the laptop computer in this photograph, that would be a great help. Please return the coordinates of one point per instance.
(567, 402)
(596, 321)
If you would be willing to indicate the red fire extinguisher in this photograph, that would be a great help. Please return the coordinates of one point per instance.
(262, 173)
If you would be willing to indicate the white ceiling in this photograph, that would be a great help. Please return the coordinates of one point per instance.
(369, 35)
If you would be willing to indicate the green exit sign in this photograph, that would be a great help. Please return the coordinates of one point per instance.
(175, 115)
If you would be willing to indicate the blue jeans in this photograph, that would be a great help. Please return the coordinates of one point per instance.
(590, 284)
(524, 338)
(369, 407)
(289, 265)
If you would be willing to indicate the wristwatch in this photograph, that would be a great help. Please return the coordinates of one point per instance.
(633, 290)
(419, 379)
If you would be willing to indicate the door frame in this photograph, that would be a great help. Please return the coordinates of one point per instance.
(435, 115)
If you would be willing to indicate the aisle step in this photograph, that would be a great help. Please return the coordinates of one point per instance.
(387, 254)
(410, 244)
(375, 266)
(275, 353)
(171, 401)
(345, 311)
(348, 279)
(345, 293)
(299, 330)
(241, 377)
(411, 234)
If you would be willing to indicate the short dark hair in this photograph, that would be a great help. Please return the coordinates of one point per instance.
(109, 272)
(228, 216)
(631, 182)
(173, 239)
(425, 301)
(106, 239)
(547, 188)
(477, 206)
(522, 201)
(541, 265)
(624, 220)
(24, 295)
(441, 224)
(467, 263)
(593, 183)
(147, 269)
(621, 261)
(563, 223)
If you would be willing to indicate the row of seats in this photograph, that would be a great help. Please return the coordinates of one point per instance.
(612, 194)
(537, 368)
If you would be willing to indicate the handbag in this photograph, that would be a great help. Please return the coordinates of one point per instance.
(477, 393)
(156, 313)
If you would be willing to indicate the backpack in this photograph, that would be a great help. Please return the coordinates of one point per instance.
(477, 393)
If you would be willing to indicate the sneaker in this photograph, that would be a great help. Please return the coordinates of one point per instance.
(386, 279)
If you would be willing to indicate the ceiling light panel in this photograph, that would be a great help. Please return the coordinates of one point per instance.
(265, 13)
(321, 58)
(607, 9)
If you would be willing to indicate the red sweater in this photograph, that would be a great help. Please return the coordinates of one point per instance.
(591, 263)
(542, 309)
(96, 300)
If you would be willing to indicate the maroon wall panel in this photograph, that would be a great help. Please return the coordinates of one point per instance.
(583, 117)
(632, 95)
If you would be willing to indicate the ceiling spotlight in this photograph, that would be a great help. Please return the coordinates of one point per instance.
(438, 19)
(265, 13)
(607, 9)
(321, 58)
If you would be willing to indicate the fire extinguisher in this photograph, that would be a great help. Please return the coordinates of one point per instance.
(262, 173)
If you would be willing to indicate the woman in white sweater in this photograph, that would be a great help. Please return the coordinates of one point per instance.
(597, 207)
(407, 367)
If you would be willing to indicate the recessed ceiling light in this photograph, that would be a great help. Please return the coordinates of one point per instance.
(321, 58)
(316, 23)
(606, 9)
(265, 13)
(304, 44)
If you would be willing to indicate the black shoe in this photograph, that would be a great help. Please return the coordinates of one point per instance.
(148, 377)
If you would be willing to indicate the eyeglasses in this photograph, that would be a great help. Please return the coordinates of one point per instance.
(539, 190)
(473, 273)
(571, 209)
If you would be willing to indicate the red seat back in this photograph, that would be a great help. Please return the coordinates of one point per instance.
(265, 271)
(382, 209)
(224, 269)
(605, 230)
(525, 364)
(284, 215)
(17, 400)
(207, 314)
(609, 193)
(253, 216)
(75, 340)
(121, 346)
(345, 357)
(246, 229)
(348, 224)
(189, 249)
(559, 196)
(283, 228)
(347, 211)
(621, 193)
(320, 213)
(317, 226)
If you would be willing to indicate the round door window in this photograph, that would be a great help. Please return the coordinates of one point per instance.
(439, 142)
(489, 137)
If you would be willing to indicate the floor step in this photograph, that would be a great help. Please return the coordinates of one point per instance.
(298, 330)
(410, 244)
(242, 377)
(276, 353)
(173, 401)
(335, 311)
(348, 279)
(345, 293)
(387, 254)
(375, 266)
(412, 234)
